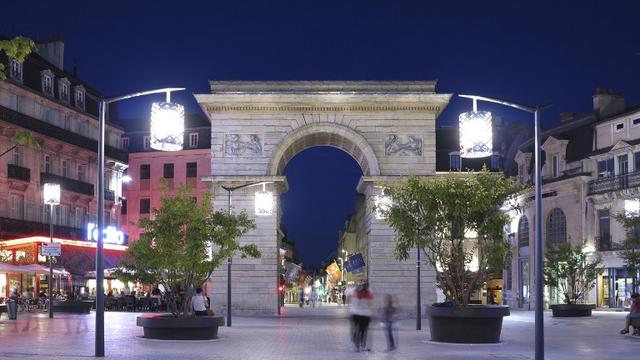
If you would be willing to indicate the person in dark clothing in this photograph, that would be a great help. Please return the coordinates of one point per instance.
(388, 319)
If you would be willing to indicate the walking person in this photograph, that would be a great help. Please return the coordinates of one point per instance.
(199, 303)
(361, 300)
(389, 322)
(634, 313)
(301, 297)
(313, 297)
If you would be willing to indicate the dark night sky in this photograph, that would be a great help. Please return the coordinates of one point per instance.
(530, 52)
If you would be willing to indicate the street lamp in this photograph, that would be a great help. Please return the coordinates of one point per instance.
(263, 207)
(539, 319)
(167, 129)
(51, 195)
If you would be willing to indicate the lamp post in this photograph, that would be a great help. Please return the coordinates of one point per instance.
(263, 205)
(51, 196)
(539, 319)
(167, 132)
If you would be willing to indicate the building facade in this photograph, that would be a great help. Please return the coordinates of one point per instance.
(60, 111)
(155, 173)
(590, 166)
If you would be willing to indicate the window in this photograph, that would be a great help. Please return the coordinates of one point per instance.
(193, 140)
(146, 142)
(79, 97)
(454, 162)
(145, 172)
(604, 230)
(556, 228)
(17, 207)
(555, 165)
(636, 161)
(167, 172)
(123, 207)
(63, 90)
(15, 70)
(523, 232)
(495, 162)
(80, 217)
(47, 82)
(64, 215)
(619, 126)
(623, 164)
(605, 168)
(82, 172)
(145, 206)
(64, 165)
(17, 156)
(635, 122)
(124, 143)
(192, 169)
(46, 164)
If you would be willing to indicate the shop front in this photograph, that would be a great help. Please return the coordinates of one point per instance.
(614, 288)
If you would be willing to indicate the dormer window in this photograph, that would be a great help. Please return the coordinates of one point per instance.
(46, 76)
(63, 90)
(555, 165)
(15, 70)
(79, 94)
(619, 126)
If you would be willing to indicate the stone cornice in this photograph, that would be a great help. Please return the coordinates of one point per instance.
(218, 87)
(319, 108)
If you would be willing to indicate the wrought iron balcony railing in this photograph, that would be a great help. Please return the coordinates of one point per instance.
(604, 243)
(68, 184)
(18, 172)
(614, 183)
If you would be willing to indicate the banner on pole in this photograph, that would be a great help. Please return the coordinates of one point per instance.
(354, 263)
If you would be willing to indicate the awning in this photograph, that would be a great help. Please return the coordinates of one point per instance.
(31, 268)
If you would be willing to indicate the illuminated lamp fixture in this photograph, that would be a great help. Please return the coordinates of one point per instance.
(167, 125)
(51, 194)
(476, 134)
(264, 202)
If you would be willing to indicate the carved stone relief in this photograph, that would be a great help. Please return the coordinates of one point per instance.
(402, 145)
(242, 145)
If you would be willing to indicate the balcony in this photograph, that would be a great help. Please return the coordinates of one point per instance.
(18, 173)
(604, 243)
(109, 195)
(68, 184)
(614, 183)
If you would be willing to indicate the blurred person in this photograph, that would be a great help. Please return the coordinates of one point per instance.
(313, 297)
(634, 313)
(389, 321)
(361, 301)
(301, 298)
(199, 303)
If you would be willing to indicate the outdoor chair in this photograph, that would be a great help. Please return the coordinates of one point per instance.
(130, 302)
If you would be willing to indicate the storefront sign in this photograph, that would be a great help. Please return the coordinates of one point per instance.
(51, 249)
(110, 234)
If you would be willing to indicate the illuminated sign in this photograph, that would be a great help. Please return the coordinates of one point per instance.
(110, 235)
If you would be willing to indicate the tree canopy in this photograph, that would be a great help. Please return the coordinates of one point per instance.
(434, 213)
(569, 269)
(17, 48)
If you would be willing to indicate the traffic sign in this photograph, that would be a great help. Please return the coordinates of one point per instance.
(51, 249)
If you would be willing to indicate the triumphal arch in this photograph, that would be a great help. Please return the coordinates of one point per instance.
(388, 127)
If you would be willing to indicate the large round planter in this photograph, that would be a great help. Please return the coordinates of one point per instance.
(72, 306)
(473, 324)
(167, 327)
(572, 310)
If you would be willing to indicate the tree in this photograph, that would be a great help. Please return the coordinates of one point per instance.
(182, 244)
(433, 215)
(630, 249)
(23, 138)
(17, 48)
(569, 269)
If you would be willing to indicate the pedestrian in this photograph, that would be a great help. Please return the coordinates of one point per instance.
(361, 300)
(313, 297)
(389, 321)
(634, 313)
(199, 303)
(301, 297)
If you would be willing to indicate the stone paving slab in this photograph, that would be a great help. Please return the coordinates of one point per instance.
(309, 334)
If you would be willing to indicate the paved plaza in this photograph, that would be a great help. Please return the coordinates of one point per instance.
(308, 334)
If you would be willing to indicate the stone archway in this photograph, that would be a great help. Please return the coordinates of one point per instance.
(257, 127)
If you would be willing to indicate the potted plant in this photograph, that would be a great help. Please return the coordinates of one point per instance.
(570, 270)
(180, 246)
(433, 215)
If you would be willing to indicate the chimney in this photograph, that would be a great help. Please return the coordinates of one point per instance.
(53, 51)
(566, 116)
(607, 102)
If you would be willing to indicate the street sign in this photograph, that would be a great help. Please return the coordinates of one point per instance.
(51, 249)
(354, 263)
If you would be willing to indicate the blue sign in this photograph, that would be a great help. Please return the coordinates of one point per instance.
(354, 263)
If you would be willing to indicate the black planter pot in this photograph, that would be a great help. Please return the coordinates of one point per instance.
(72, 306)
(167, 327)
(572, 310)
(474, 324)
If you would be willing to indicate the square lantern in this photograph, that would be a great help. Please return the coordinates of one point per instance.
(476, 135)
(264, 203)
(51, 194)
(167, 126)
